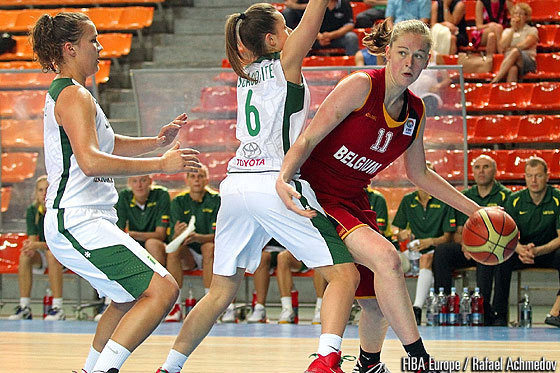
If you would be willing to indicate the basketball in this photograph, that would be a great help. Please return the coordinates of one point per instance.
(490, 236)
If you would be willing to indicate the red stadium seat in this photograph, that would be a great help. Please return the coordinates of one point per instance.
(35, 80)
(279, 6)
(515, 167)
(22, 133)
(509, 96)
(357, 8)
(217, 165)
(447, 163)
(470, 11)
(209, 134)
(548, 67)
(554, 165)
(393, 196)
(538, 128)
(545, 96)
(10, 247)
(444, 130)
(16, 167)
(451, 98)
(545, 11)
(218, 100)
(500, 156)
(318, 95)
(324, 76)
(328, 61)
(495, 129)
(476, 96)
(548, 35)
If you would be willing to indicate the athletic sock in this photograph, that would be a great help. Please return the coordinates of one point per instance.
(24, 302)
(329, 343)
(318, 304)
(178, 301)
(417, 350)
(206, 290)
(112, 356)
(425, 277)
(286, 303)
(57, 303)
(175, 361)
(369, 358)
(91, 359)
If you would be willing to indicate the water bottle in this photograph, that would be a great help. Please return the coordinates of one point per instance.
(47, 302)
(414, 257)
(254, 301)
(465, 308)
(443, 311)
(190, 302)
(295, 305)
(453, 308)
(431, 309)
(477, 308)
(525, 311)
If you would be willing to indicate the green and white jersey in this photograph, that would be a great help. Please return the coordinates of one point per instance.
(68, 185)
(271, 114)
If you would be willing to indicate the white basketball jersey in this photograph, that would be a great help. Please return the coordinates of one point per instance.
(271, 114)
(68, 185)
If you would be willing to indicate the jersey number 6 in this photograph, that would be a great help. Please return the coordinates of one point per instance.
(252, 109)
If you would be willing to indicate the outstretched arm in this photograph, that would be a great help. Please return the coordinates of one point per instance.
(128, 146)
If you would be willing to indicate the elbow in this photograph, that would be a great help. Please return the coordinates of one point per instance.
(89, 168)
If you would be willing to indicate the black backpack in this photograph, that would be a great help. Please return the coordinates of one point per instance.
(7, 43)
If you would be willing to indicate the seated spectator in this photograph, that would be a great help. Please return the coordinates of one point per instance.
(402, 10)
(449, 15)
(487, 191)
(143, 212)
(491, 16)
(364, 57)
(423, 217)
(536, 210)
(35, 257)
(429, 85)
(293, 12)
(337, 28)
(197, 250)
(261, 280)
(287, 264)
(519, 44)
(368, 17)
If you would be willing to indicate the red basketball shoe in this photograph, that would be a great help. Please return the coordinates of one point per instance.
(326, 364)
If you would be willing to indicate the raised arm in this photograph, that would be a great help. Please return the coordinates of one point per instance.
(431, 182)
(301, 39)
(347, 96)
(75, 111)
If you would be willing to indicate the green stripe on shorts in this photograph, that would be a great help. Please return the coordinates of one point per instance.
(117, 262)
(339, 251)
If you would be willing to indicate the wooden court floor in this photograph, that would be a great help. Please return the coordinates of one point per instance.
(244, 348)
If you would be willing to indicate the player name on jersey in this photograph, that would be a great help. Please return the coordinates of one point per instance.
(355, 161)
(264, 73)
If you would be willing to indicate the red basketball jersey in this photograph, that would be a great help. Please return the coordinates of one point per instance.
(363, 144)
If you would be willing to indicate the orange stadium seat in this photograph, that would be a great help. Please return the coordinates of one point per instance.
(114, 46)
(451, 97)
(515, 166)
(393, 196)
(6, 196)
(22, 3)
(7, 21)
(396, 171)
(135, 18)
(40, 79)
(22, 133)
(318, 95)
(21, 104)
(219, 100)
(470, 11)
(509, 96)
(495, 129)
(10, 246)
(326, 76)
(545, 96)
(538, 128)
(16, 167)
(444, 130)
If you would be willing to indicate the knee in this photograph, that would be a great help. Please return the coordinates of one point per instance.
(347, 273)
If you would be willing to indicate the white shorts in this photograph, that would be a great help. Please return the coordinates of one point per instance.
(44, 263)
(251, 213)
(87, 241)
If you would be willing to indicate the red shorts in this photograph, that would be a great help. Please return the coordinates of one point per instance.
(349, 215)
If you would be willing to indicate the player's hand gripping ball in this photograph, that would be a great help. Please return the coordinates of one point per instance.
(490, 236)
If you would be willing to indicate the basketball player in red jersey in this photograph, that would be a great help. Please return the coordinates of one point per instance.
(365, 123)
